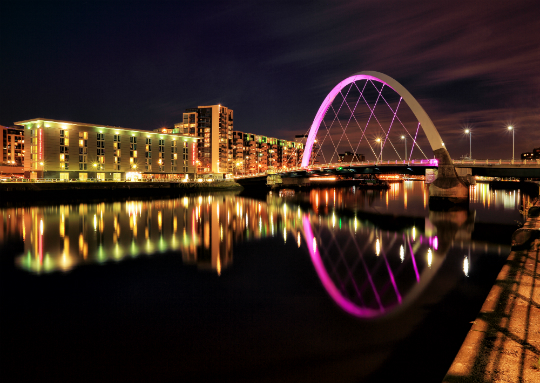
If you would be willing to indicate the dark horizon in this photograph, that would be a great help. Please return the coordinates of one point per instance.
(140, 64)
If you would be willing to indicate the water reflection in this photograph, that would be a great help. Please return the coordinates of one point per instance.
(371, 265)
(372, 272)
(411, 198)
(66, 236)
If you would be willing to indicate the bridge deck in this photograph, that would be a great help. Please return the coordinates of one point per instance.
(487, 168)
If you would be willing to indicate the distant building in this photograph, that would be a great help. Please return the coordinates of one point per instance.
(315, 153)
(12, 144)
(214, 125)
(350, 157)
(74, 150)
(225, 150)
(253, 153)
(534, 155)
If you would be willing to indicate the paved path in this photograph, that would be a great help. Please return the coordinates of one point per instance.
(503, 344)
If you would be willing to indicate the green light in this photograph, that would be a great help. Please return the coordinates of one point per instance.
(340, 168)
(162, 246)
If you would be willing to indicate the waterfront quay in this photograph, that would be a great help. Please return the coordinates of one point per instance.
(503, 344)
(15, 192)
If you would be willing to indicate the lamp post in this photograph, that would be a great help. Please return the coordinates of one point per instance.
(512, 129)
(468, 131)
(379, 141)
(405, 138)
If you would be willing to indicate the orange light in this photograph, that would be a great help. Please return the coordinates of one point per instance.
(322, 178)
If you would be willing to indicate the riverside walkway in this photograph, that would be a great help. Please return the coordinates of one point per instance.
(503, 344)
(47, 191)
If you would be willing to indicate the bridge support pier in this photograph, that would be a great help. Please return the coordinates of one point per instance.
(448, 187)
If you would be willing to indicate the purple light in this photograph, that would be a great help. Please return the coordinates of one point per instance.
(393, 118)
(435, 242)
(414, 262)
(414, 140)
(324, 107)
(392, 279)
(332, 290)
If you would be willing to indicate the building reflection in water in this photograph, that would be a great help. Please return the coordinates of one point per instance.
(203, 229)
(66, 236)
(368, 265)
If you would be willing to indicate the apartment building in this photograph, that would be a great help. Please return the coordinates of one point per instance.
(254, 153)
(12, 144)
(213, 124)
(73, 150)
(315, 151)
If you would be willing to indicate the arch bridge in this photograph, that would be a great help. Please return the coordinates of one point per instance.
(349, 118)
(370, 124)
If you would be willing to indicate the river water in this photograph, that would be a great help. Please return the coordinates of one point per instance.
(339, 285)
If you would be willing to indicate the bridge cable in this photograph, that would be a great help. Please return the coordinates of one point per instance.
(339, 121)
(346, 126)
(328, 129)
(365, 128)
(328, 132)
(378, 122)
(414, 141)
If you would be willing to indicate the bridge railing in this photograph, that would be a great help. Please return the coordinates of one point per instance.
(428, 162)
(424, 162)
(497, 162)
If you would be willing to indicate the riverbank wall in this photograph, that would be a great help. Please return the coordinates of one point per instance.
(15, 193)
(503, 344)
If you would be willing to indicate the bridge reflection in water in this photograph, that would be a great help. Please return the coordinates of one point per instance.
(368, 268)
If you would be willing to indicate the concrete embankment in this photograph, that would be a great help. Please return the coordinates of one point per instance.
(32, 192)
(503, 344)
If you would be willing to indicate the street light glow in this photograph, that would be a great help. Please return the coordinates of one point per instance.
(379, 140)
(468, 131)
(512, 129)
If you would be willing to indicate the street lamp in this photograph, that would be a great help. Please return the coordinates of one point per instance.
(379, 140)
(468, 131)
(405, 138)
(512, 129)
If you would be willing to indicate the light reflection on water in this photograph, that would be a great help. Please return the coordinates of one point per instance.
(251, 297)
(366, 268)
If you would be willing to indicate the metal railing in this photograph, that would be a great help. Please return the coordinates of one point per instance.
(94, 180)
(424, 162)
(497, 162)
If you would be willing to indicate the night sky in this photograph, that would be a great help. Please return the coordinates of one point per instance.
(139, 64)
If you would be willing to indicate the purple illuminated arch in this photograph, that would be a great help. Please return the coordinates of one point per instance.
(423, 279)
(431, 132)
(334, 292)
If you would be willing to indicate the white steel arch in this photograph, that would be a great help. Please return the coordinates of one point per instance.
(431, 132)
